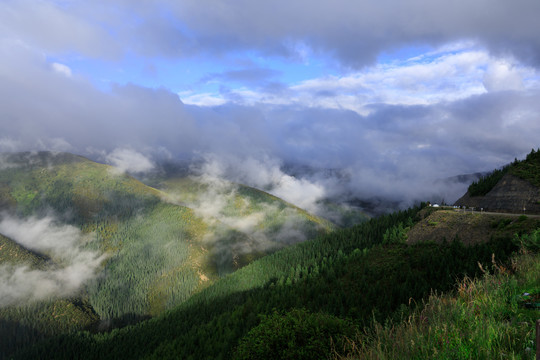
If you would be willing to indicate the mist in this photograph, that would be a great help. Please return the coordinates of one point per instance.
(244, 223)
(69, 268)
(378, 101)
(393, 151)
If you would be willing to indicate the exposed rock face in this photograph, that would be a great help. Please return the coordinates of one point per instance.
(511, 194)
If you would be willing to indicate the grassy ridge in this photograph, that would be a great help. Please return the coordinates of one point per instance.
(67, 183)
(240, 201)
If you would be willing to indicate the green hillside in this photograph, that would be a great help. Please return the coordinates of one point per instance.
(265, 221)
(342, 294)
(127, 220)
(343, 278)
(490, 317)
(19, 324)
(12, 253)
(158, 253)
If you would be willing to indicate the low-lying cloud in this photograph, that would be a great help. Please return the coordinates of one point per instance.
(263, 173)
(483, 114)
(69, 268)
(242, 222)
(128, 160)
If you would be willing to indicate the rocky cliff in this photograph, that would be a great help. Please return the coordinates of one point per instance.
(511, 194)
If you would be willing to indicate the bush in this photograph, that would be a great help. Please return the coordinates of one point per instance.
(530, 241)
(297, 334)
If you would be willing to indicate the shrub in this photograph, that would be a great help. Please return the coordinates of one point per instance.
(297, 334)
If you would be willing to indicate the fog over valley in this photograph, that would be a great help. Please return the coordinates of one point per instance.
(392, 113)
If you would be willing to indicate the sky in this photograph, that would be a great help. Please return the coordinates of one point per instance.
(392, 95)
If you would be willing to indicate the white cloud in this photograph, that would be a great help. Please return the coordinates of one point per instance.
(62, 69)
(300, 192)
(73, 265)
(54, 144)
(128, 160)
(420, 81)
(502, 75)
(265, 173)
(10, 145)
(42, 235)
(201, 99)
(450, 73)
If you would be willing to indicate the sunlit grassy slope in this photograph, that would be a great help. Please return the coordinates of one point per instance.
(253, 211)
(159, 252)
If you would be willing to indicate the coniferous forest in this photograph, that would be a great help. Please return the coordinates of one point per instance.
(348, 275)
(310, 299)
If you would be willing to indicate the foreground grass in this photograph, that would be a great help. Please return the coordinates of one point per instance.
(481, 319)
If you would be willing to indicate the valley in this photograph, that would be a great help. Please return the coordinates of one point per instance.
(143, 249)
(252, 180)
(197, 267)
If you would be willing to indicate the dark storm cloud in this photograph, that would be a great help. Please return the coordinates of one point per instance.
(354, 32)
(357, 31)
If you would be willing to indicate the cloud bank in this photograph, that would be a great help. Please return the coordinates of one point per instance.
(464, 101)
(353, 32)
(386, 149)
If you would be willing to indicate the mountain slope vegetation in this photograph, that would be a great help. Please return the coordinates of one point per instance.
(348, 274)
(327, 296)
(12, 253)
(147, 252)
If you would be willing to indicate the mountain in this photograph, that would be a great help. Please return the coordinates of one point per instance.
(115, 250)
(341, 282)
(327, 297)
(514, 188)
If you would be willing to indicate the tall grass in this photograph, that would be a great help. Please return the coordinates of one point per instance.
(481, 319)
